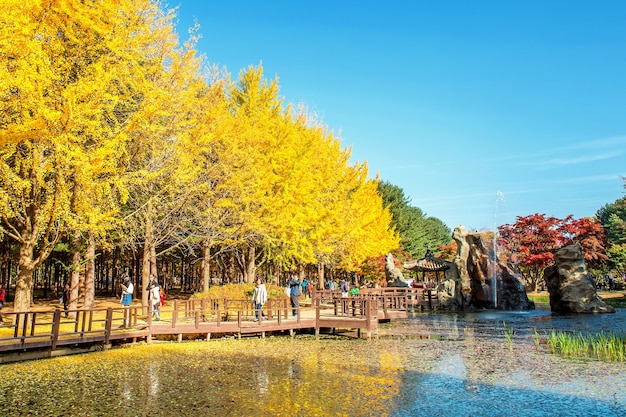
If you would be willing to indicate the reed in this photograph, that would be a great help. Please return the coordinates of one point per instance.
(536, 338)
(508, 335)
(607, 347)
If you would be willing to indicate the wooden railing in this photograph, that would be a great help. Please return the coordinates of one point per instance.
(424, 297)
(51, 330)
(226, 308)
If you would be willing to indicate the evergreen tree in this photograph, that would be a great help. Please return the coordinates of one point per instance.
(417, 232)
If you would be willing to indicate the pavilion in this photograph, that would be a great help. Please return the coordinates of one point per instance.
(428, 264)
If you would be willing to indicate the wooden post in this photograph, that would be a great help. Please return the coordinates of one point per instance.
(317, 318)
(56, 324)
(370, 304)
(175, 313)
(108, 325)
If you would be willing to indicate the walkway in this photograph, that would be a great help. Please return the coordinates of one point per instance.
(41, 334)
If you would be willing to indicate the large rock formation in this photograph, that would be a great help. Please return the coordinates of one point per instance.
(572, 289)
(482, 282)
(393, 273)
(473, 281)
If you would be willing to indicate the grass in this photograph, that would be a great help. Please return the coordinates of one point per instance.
(539, 298)
(508, 334)
(607, 347)
(613, 298)
(536, 338)
(616, 302)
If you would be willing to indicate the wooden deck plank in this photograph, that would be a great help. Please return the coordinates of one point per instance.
(361, 313)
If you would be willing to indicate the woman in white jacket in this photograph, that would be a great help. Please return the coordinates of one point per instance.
(259, 297)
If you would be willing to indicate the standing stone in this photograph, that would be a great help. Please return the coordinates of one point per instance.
(484, 279)
(572, 289)
(393, 273)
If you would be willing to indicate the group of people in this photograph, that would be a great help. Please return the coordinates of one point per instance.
(343, 286)
(156, 295)
(294, 289)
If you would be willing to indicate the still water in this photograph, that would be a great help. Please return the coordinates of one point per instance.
(427, 365)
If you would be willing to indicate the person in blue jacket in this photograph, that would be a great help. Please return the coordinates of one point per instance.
(294, 294)
(305, 284)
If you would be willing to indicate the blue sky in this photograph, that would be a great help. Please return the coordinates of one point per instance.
(481, 111)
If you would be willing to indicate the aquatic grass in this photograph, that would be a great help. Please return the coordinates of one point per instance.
(536, 338)
(508, 334)
(606, 347)
(616, 302)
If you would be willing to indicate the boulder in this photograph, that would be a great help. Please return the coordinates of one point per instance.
(571, 288)
(393, 273)
(484, 280)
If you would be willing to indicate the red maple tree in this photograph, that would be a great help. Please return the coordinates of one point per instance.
(532, 241)
(590, 234)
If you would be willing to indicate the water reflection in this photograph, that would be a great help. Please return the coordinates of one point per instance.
(482, 374)
(429, 364)
(490, 323)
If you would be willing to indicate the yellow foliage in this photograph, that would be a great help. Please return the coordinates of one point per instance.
(239, 292)
(274, 376)
(108, 123)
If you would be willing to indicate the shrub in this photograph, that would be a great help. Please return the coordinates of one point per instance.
(239, 291)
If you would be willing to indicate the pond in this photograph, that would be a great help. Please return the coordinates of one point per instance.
(427, 365)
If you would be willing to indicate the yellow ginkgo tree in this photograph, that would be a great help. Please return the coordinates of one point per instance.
(75, 77)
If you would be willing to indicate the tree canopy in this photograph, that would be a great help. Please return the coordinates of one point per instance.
(417, 231)
(613, 219)
(532, 241)
(113, 133)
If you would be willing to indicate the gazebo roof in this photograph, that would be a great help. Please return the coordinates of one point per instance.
(428, 264)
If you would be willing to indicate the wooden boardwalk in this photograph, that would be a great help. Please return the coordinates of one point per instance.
(31, 335)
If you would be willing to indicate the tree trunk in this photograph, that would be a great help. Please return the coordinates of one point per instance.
(146, 259)
(205, 266)
(153, 261)
(320, 276)
(75, 272)
(24, 284)
(90, 273)
(251, 265)
(145, 275)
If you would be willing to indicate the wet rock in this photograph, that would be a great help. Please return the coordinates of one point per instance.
(474, 274)
(571, 287)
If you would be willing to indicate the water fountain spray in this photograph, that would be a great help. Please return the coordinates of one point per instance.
(499, 199)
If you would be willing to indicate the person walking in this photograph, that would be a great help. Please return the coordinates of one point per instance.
(345, 288)
(3, 295)
(127, 298)
(66, 298)
(294, 294)
(154, 296)
(259, 297)
(305, 283)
